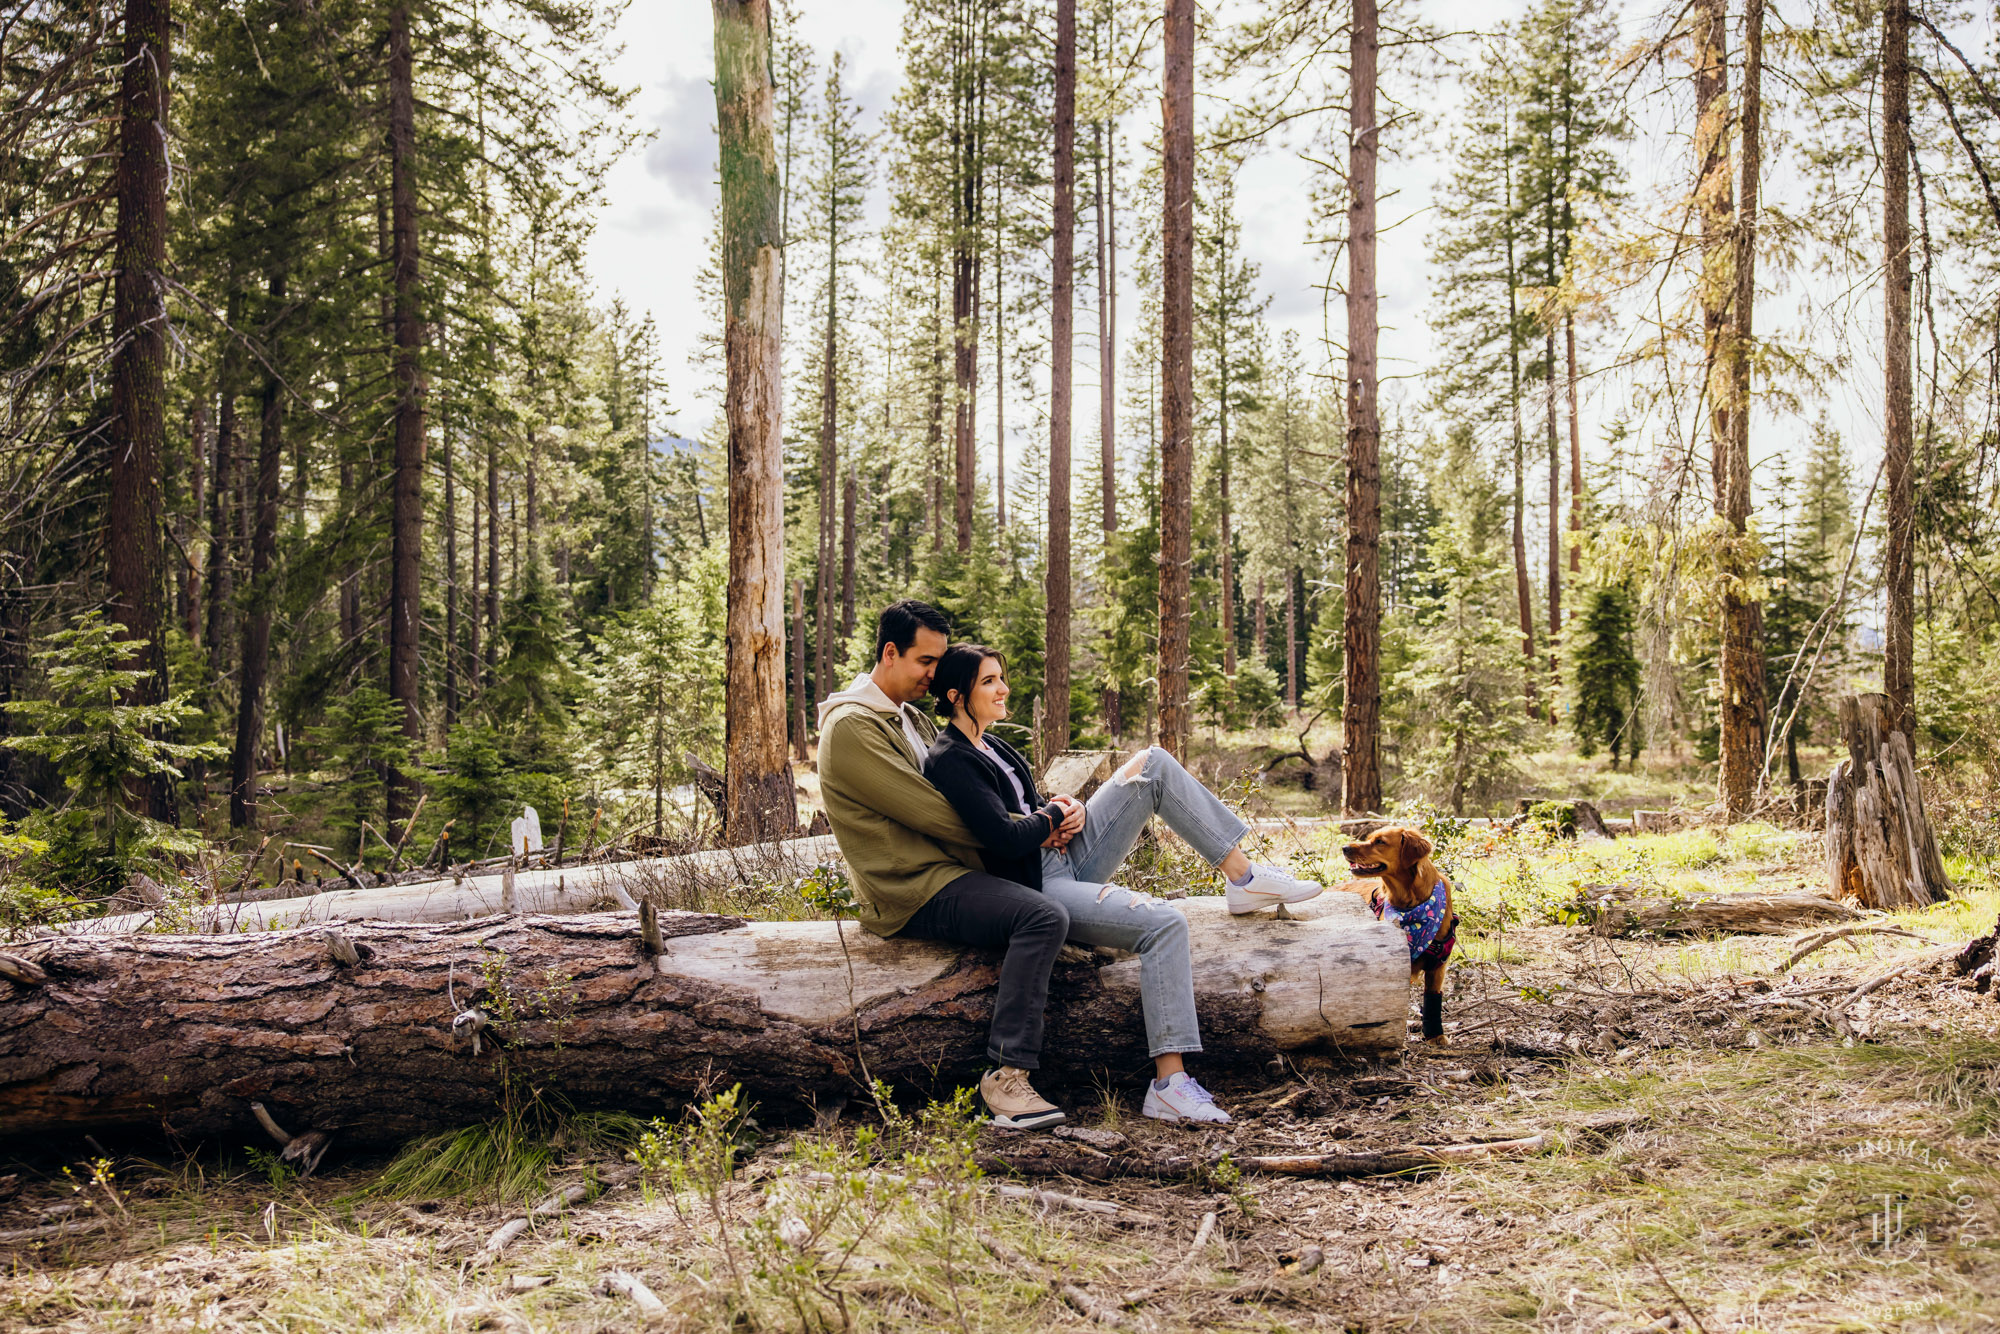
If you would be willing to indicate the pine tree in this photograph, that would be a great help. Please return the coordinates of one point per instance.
(1605, 672)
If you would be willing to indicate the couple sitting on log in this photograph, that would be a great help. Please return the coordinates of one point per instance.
(946, 838)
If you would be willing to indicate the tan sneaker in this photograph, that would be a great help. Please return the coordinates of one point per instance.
(1014, 1103)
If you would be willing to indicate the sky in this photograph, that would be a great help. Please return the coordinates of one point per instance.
(651, 237)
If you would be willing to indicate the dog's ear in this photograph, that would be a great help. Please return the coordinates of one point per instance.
(1415, 847)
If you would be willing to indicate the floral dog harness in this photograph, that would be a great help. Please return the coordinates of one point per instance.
(1431, 936)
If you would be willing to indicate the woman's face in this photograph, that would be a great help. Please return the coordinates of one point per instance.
(988, 701)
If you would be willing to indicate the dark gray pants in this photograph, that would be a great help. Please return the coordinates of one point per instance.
(989, 913)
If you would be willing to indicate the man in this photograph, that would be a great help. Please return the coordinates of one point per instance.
(916, 868)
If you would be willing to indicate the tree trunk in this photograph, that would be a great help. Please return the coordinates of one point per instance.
(1575, 453)
(261, 595)
(1880, 850)
(1292, 640)
(450, 590)
(492, 662)
(1743, 720)
(1555, 525)
(1228, 563)
(848, 502)
(1054, 739)
(1361, 741)
(1107, 325)
(1899, 547)
(800, 736)
(829, 457)
(406, 533)
(758, 797)
(182, 1034)
(999, 364)
(1523, 597)
(224, 514)
(1259, 625)
(1177, 376)
(135, 568)
(190, 521)
(968, 161)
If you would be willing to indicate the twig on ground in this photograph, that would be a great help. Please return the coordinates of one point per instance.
(1031, 1194)
(1389, 1161)
(1103, 1314)
(1179, 1271)
(618, 1283)
(1822, 939)
(73, 1227)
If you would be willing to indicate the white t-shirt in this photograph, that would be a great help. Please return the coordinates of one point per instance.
(918, 746)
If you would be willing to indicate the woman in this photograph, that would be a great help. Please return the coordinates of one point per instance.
(1070, 851)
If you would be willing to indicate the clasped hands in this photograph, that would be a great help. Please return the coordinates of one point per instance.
(1072, 822)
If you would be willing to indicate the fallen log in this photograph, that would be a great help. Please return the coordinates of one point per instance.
(1623, 909)
(555, 890)
(429, 1021)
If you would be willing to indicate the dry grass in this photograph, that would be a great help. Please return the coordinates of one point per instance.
(1720, 1164)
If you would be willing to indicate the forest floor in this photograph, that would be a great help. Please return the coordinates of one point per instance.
(1717, 1161)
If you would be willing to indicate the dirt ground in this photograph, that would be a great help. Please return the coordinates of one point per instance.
(1732, 1146)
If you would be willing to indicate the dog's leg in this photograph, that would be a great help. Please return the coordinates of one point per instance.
(1434, 1005)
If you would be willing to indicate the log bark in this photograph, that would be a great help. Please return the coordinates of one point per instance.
(1880, 851)
(183, 1033)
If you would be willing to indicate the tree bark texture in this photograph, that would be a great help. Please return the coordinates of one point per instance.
(1575, 452)
(1899, 568)
(135, 564)
(799, 733)
(1880, 850)
(829, 462)
(261, 596)
(848, 502)
(1107, 322)
(1743, 712)
(1361, 738)
(1054, 739)
(182, 1033)
(406, 540)
(1176, 376)
(224, 514)
(758, 795)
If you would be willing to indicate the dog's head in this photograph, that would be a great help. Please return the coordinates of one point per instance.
(1393, 850)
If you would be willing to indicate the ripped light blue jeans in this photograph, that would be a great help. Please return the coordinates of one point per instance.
(1100, 913)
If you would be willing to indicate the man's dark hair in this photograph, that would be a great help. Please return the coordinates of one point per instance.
(959, 670)
(900, 622)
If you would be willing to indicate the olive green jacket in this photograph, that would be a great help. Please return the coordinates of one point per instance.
(901, 839)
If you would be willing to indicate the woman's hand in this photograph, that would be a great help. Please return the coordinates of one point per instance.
(1073, 812)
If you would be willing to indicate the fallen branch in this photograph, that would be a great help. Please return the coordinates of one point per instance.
(1089, 1306)
(1824, 938)
(1390, 1161)
(506, 1234)
(618, 1283)
(21, 1235)
(1033, 1195)
(1181, 1266)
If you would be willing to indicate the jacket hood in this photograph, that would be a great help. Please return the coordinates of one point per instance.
(864, 692)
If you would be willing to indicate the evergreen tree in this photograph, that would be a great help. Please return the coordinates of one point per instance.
(1605, 672)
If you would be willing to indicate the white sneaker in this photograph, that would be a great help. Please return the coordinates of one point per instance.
(1182, 1100)
(1269, 887)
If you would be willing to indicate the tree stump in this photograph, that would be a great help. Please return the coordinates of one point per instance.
(1880, 851)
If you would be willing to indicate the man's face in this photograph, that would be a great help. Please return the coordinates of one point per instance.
(905, 675)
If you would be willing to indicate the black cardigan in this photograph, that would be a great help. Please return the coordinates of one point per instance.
(1011, 841)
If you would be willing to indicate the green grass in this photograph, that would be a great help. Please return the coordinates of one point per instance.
(507, 1159)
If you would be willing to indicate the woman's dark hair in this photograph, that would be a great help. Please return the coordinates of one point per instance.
(959, 670)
